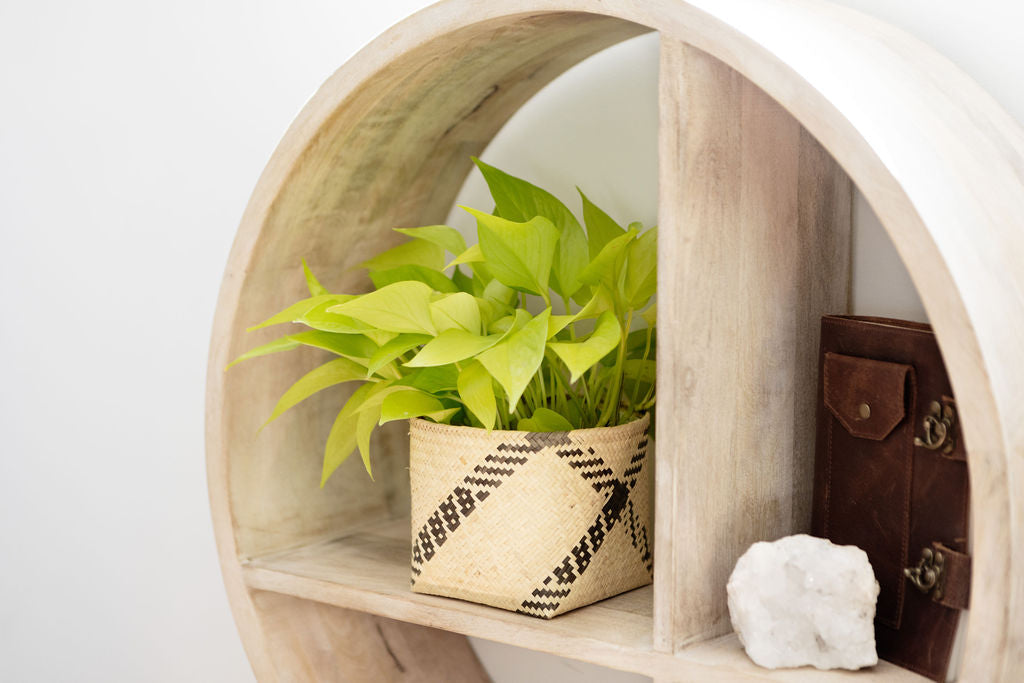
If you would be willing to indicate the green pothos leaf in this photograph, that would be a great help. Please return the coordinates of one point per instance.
(404, 405)
(366, 422)
(607, 266)
(434, 380)
(434, 278)
(490, 311)
(601, 228)
(315, 288)
(341, 441)
(600, 302)
(393, 349)
(327, 375)
(321, 318)
(510, 323)
(452, 346)
(355, 346)
(285, 343)
(581, 356)
(411, 253)
(471, 254)
(519, 255)
(641, 279)
(514, 361)
(476, 389)
(518, 200)
(399, 307)
(456, 311)
(295, 312)
(463, 281)
(544, 420)
(446, 237)
(557, 323)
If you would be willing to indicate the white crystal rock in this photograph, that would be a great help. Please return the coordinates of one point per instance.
(803, 600)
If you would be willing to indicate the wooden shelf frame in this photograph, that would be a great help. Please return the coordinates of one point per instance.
(768, 109)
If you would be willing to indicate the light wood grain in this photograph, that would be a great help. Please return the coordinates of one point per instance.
(755, 236)
(368, 572)
(385, 143)
(303, 638)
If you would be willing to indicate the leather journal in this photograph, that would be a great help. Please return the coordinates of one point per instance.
(891, 478)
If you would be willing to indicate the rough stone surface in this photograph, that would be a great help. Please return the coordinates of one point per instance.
(803, 600)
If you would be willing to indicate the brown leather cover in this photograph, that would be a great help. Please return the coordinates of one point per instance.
(875, 489)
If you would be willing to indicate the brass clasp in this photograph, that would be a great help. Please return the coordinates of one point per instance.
(938, 428)
(927, 575)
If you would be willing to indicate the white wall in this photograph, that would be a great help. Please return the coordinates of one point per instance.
(131, 134)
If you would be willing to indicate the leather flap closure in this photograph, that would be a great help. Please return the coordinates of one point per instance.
(956, 578)
(865, 395)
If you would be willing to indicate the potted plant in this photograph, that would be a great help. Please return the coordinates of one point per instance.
(525, 364)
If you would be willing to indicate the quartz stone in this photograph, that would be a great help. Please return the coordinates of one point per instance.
(803, 600)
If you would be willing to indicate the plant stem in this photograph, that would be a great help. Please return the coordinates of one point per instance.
(619, 369)
(584, 382)
(503, 418)
(649, 396)
(572, 325)
(543, 392)
(562, 392)
(530, 398)
(609, 416)
(636, 384)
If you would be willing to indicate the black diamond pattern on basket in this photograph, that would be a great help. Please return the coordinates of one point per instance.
(616, 507)
(475, 488)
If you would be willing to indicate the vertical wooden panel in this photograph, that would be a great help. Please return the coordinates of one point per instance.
(753, 251)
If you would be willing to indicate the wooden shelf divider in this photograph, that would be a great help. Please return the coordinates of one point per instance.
(754, 248)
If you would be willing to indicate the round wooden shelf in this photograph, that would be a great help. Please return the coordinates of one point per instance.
(768, 110)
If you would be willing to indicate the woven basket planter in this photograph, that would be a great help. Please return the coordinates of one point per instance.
(536, 522)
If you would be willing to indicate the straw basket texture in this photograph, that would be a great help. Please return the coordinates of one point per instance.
(536, 522)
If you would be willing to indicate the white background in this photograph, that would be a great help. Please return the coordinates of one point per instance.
(131, 134)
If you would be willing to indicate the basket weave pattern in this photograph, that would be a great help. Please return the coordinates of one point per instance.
(536, 522)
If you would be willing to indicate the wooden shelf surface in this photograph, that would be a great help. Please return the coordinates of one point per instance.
(368, 571)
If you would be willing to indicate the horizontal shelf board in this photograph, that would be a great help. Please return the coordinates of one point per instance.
(368, 571)
(724, 659)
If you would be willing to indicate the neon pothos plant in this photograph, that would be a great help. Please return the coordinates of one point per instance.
(538, 333)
